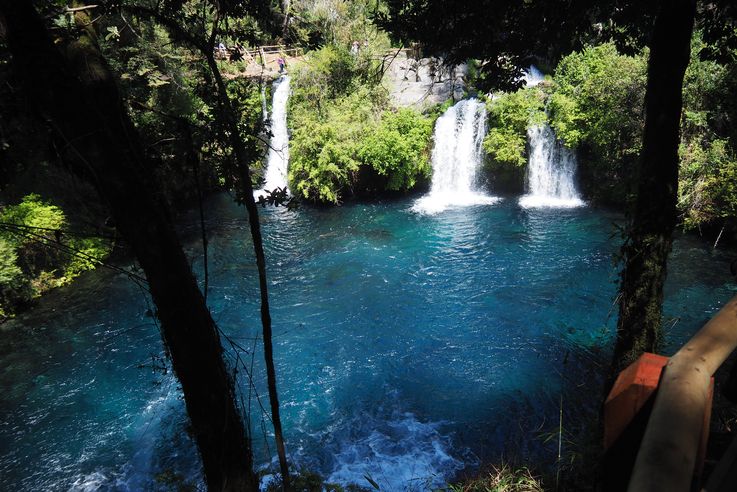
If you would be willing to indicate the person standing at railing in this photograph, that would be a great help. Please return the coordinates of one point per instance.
(282, 63)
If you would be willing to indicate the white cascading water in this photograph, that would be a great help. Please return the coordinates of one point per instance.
(277, 159)
(456, 158)
(533, 76)
(264, 109)
(551, 172)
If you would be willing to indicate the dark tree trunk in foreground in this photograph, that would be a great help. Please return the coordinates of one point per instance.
(230, 120)
(78, 96)
(258, 246)
(654, 216)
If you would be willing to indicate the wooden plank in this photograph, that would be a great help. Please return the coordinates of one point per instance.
(667, 456)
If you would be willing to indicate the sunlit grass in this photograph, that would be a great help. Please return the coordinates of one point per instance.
(502, 478)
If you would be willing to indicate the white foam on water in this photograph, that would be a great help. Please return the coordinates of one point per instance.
(398, 451)
(532, 201)
(432, 204)
(151, 433)
(90, 483)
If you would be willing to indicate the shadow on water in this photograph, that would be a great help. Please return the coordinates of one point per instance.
(409, 347)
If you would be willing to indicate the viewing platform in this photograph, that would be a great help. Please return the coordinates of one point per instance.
(261, 62)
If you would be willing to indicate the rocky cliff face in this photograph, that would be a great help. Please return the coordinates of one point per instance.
(421, 83)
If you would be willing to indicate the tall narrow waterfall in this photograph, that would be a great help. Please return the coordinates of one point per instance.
(278, 156)
(550, 173)
(456, 157)
(264, 109)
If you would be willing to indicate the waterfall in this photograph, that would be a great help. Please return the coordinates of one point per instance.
(264, 109)
(550, 172)
(533, 76)
(456, 157)
(278, 156)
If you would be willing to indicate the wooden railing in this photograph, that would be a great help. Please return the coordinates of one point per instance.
(261, 55)
(667, 454)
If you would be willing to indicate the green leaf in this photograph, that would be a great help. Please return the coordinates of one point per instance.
(372, 482)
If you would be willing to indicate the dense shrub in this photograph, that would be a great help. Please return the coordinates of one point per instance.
(343, 129)
(510, 115)
(708, 171)
(594, 103)
(398, 149)
(707, 182)
(597, 108)
(37, 254)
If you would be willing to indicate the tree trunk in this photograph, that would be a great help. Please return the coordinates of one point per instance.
(649, 234)
(286, 9)
(80, 99)
(258, 247)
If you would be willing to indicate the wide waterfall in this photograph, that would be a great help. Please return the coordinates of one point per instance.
(278, 157)
(550, 172)
(456, 158)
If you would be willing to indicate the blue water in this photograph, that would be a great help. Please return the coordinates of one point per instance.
(409, 348)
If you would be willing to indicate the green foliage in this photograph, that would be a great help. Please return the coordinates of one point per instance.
(169, 87)
(330, 73)
(704, 94)
(37, 255)
(708, 170)
(601, 94)
(9, 269)
(246, 97)
(510, 114)
(34, 212)
(13, 288)
(341, 127)
(324, 146)
(596, 106)
(337, 22)
(397, 148)
(707, 182)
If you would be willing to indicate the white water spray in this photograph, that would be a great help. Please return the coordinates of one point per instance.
(456, 158)
(533, 76)
(264, 109)
(550, 173)
(278, 157)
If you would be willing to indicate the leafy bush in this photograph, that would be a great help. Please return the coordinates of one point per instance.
(707, 182)
(330, 73)
(398, 148)
(35, 222)
(597, 107)
(708, 170)
(14, 288)
(509, 117)
(323, 148)
(37, 255)
(342, 126)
